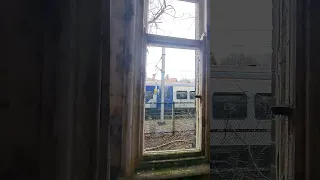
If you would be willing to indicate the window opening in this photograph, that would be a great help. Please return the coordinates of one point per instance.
(229, 106)
(173, 69)
(175, 50)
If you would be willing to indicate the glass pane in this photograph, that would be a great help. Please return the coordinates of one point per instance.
(241, 32)
(262, 106)
(229, 106)
(241, 55)
(170, 122)
(172, 18)
(240, 130)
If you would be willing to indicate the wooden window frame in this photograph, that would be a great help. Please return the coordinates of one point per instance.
(134, 161)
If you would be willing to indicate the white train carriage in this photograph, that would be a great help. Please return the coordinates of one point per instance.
(241, 99)
(184, 96)
(179, 98)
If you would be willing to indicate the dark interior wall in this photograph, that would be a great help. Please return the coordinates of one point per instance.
(117, 95)
(299, 122)
(51, 59)
(312, 167)
(303, 156)
(20, 86)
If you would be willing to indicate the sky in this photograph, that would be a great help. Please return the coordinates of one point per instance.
(177, 22)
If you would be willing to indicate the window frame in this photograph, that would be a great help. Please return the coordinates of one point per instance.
(172, 42)
(230, 94)
(146, 161)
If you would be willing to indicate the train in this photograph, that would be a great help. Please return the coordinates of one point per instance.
(179, 99)
(241, 100)
(241, 117)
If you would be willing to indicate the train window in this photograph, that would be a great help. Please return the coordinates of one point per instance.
(182, 95)
(262, 106)
(192, 94)
(149, 95)
(229, 106)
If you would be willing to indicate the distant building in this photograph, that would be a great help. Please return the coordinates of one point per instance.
(168, 79)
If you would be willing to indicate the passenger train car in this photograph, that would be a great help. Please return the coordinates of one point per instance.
(241, 114)
(179, 98)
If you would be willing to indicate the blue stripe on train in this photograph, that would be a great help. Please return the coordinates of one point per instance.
(168, 97)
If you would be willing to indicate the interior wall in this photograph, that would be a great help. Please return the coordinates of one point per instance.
(117, 95)
(312, 167)
(299, 123)
(127, 72)
(51, 87)
(75, 52)
(20, 88)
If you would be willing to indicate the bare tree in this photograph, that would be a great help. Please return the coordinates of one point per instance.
(158, 9)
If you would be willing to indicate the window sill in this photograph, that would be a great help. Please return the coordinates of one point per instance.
(173, 173)
(160, 164)
(155, 156)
